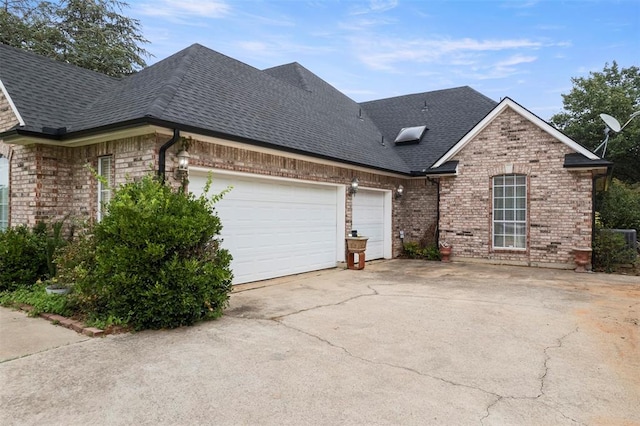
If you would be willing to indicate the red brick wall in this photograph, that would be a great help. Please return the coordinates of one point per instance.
(49, 183)
(7, 118)
(559, 201)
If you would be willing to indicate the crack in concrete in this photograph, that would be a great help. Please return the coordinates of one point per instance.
(548, 357)
(498, 397)
(387, 364)
(342, 302)
(488, 409)
(542, 383)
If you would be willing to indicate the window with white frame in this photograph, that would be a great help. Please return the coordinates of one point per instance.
(104, 184)
(4, 193)
(510, 212)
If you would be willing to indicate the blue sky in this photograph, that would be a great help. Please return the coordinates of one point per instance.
(374, 49)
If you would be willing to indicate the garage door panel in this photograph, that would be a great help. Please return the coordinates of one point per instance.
(368, 220)
(275, 228)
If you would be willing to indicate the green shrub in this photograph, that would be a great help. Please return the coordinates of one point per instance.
(27, 255)
(413, 250)
(22, 256)
(153, 261)
(610, 250)
(619, 207)
(431, 252)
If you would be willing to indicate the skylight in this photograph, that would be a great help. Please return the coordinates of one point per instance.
(410, 135)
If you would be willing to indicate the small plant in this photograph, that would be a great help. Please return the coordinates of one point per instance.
(37, 297)
(413, 250)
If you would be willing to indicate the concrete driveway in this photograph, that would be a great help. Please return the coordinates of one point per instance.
(401, 342)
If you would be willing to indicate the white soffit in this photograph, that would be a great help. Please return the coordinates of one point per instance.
(509, 103)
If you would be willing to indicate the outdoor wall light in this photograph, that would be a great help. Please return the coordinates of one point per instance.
(353, 188)
(183, 163)
(399, 191)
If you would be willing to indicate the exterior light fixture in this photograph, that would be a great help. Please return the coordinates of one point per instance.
(353, 188)
(399, 191)
(183, 163)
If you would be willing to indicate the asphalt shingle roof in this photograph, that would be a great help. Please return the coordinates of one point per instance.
(47, 93)
(449, 115)
(286, 107)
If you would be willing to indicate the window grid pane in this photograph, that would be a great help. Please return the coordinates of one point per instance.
(104, 189)
(4, 193)
(509, 211)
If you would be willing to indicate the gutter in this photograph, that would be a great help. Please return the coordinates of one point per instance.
(58, 136)
(162, 154)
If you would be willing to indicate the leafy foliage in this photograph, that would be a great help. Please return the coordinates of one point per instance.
(37, 297)
(610, 250)
(153, 261)
(613, 91)
(92, 34)
(414, 250)
(619, 206)
(27, 255)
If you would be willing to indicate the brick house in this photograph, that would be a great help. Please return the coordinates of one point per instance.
(492, 179)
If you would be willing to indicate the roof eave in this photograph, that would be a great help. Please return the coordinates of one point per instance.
(146, 125)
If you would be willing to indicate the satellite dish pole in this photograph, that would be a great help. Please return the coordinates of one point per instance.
(611, 124)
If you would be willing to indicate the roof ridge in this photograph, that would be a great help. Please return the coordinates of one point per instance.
(170, 88)
(423, 93)
(303, 81)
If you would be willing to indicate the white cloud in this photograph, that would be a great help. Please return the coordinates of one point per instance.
(515, 60)
(387, 54)
(382, 5)
(186, 8)
(280, 47)
(375, 6)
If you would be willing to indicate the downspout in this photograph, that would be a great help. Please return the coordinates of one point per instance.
(437, 183)
(593, 200)
(162, 154)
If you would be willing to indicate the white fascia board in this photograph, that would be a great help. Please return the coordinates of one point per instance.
(11, 104)
(508, 103)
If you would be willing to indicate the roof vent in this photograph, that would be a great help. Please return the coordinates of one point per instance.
(409, 135)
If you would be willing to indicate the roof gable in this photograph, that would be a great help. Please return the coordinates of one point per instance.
(540, 123)
(12, 106)
(447, 114)
(48, 93)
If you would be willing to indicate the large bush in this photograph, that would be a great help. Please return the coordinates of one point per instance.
(153, 261)
(619, 206)
(23, 257)
(610, 251)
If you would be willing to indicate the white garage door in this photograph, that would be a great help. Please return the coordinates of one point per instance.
(275, 228)
(369, 220)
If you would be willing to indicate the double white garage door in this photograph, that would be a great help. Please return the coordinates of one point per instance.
(280, 227)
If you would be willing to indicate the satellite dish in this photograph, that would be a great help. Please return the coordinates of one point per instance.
(611, 122)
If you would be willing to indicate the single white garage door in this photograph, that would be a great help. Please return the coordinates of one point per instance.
(273, 227)
(369, 220)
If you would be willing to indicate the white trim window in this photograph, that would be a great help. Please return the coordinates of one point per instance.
(4, 193)
(510, 212)
(104, 184)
